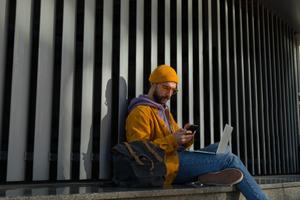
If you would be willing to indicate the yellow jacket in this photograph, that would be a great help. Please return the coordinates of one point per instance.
(146, 122)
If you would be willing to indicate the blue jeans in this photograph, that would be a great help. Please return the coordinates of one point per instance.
(191, 165)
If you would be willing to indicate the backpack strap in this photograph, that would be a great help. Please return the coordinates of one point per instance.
(158, 157)
(133, 154)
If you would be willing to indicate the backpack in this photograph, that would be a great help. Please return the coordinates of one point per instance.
(138, 164)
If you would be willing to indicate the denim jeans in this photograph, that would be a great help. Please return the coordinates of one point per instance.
(191, 165)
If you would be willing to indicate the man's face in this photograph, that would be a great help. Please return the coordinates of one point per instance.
(164, 91)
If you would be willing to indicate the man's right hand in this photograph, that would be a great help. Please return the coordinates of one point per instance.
(183, 136)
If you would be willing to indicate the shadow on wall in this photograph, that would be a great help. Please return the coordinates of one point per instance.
(105, 132)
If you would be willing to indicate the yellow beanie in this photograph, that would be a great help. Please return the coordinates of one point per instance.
(163, 73)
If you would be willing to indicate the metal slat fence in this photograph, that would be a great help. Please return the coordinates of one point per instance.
(68, 69)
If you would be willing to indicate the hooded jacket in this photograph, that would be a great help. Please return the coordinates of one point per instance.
(148, 120)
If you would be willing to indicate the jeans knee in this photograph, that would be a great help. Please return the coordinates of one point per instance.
(233, 160)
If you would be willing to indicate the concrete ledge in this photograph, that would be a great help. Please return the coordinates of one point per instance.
(280, 191)
(77, 191)
(157, 194)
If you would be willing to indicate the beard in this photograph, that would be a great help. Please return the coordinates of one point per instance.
(160, 99)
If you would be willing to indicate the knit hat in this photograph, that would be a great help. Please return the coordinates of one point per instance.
(163, 73)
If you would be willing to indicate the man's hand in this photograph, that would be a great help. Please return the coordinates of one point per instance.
(183, 136)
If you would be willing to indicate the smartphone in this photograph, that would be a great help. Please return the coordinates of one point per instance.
(193, 128)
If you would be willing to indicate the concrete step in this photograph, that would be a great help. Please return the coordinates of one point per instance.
(279, 187)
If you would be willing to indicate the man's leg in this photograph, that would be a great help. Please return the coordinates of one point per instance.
(194, 164)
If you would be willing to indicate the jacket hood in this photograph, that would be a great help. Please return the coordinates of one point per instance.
(144, 100)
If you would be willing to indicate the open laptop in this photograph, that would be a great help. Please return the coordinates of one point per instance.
(225, 138)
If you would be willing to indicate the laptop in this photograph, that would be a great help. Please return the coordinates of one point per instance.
(225, 138)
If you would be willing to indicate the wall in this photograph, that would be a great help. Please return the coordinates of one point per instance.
(69, 68)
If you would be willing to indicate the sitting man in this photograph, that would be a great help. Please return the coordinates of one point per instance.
(150, 119)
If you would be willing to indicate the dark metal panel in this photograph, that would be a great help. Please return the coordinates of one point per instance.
(271, 143)
(206, 70)
(59, 5)
(147, 21)
(265, 90)
(184, 67)
(274, 109)
(286, 97)
(97, 89)
(248, 88)
(289, 100)
(173, 49)
(260, 83)
(285, 69)
(242, 79)
(294, 91)
(196, 67)
(297, 75)
(236, 83)
(113, 100)
(277, 95)
(293, 97)
(31, 115)
(282, 96)
(132, 49)
(256, 131)
(77, 94)
(296, 82)
(195, 60)
(215, 13)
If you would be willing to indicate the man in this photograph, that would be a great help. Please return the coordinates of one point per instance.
(150, 119)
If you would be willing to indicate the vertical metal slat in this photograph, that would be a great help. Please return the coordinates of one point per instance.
(44, 93)
(220, 69)
(210, 61)
(201, 78)
(3, 38)
(87, 91)
(190, 61)
(179, 63)
(105, 137)
(19, 93)
(66, 92)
